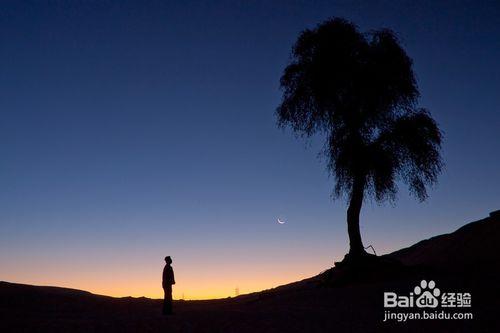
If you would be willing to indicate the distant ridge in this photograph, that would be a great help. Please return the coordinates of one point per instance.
(464, 260)
(473, 247)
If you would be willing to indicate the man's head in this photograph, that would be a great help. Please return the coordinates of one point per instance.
(168, 260)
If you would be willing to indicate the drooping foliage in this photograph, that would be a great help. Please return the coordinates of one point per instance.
(360, 91)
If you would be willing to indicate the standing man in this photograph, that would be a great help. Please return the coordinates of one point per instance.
(167, 282)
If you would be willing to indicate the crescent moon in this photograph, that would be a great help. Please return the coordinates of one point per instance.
(281, 222)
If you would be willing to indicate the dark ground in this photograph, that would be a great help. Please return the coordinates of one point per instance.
(339, 300)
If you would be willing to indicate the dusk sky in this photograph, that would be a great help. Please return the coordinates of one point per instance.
(130, 131)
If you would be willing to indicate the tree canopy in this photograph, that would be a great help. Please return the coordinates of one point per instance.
(359, 90)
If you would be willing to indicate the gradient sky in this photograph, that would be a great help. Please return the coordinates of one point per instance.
(130, 131)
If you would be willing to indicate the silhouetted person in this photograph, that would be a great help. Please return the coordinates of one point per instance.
(167, 282)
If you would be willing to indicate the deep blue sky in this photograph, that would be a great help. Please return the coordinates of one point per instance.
(130, 130)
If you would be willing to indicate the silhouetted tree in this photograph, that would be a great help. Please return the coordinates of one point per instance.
(359, 90)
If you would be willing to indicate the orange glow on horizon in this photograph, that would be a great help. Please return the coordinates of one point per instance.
(188, 290)
(107, 273)
(191, 284)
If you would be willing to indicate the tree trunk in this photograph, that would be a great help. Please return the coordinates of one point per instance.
(356, 245)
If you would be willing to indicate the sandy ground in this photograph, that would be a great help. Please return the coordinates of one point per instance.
(461, 261)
